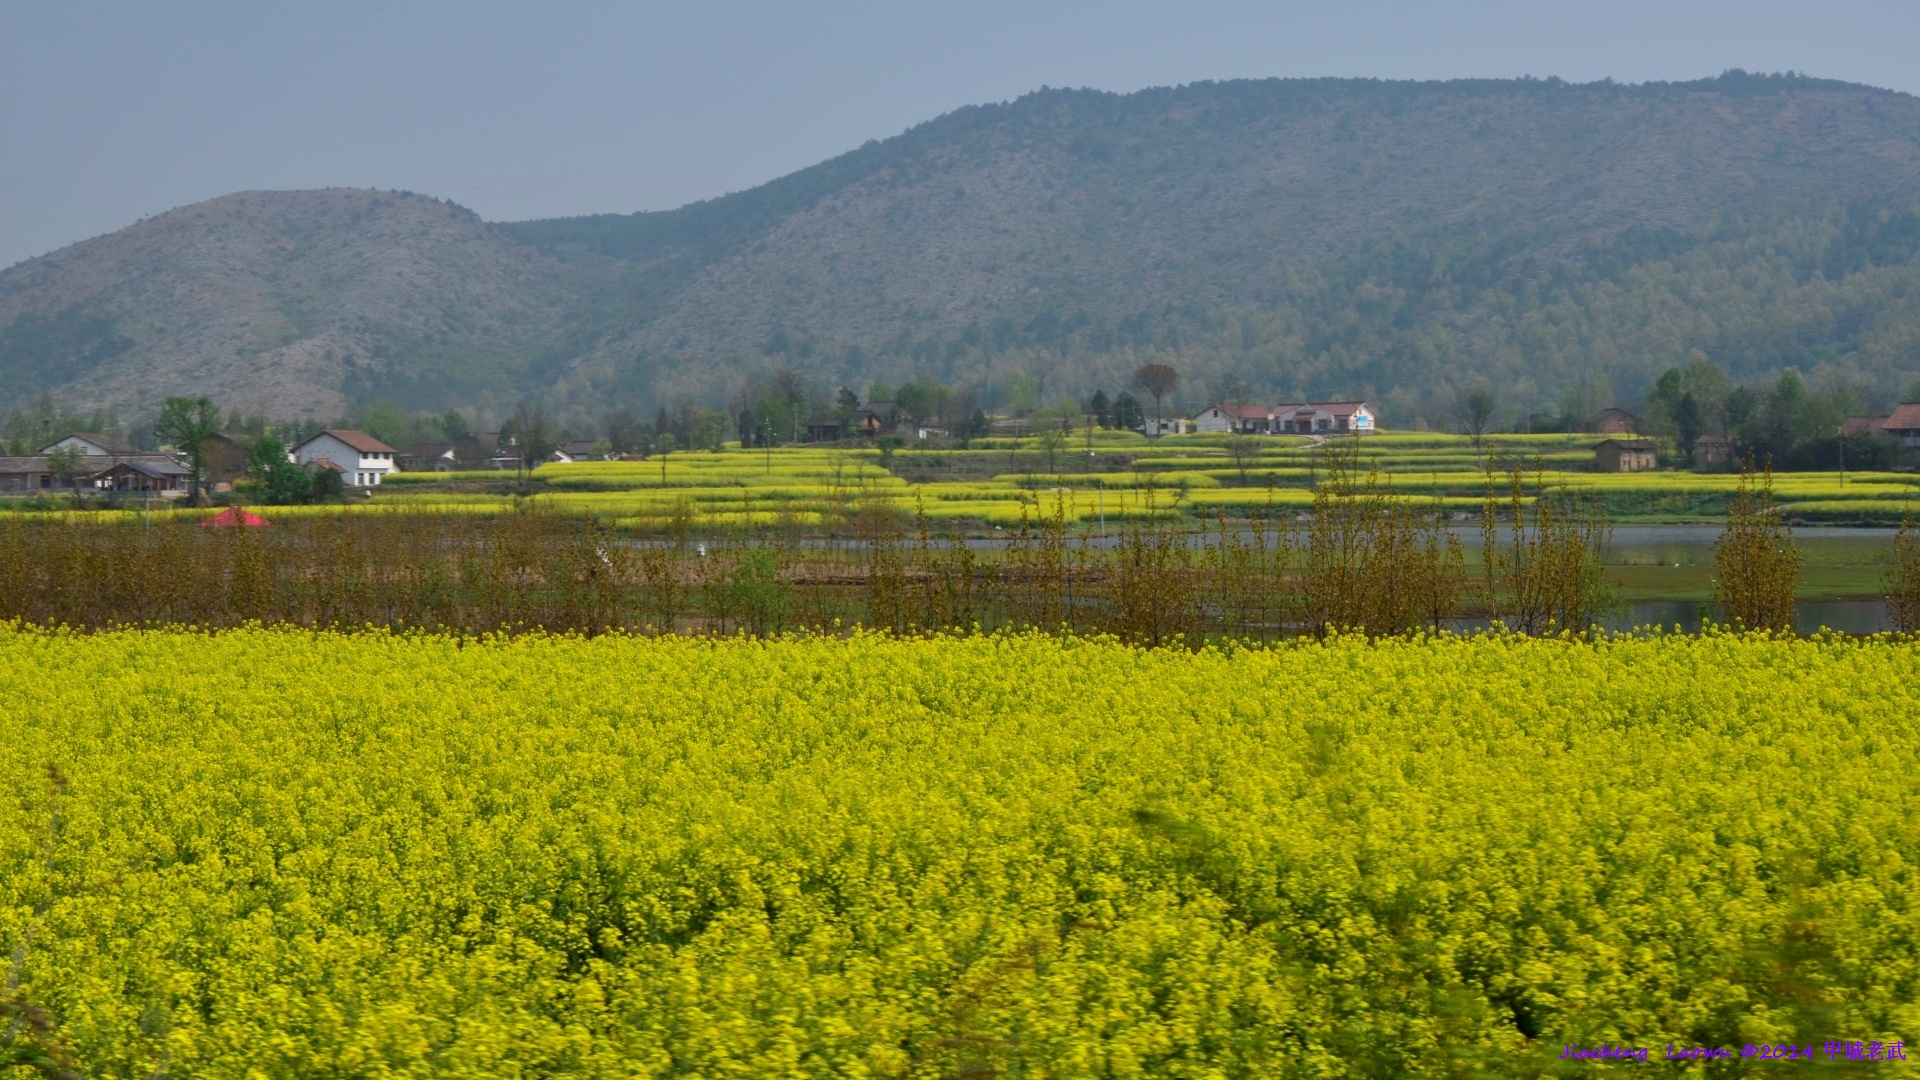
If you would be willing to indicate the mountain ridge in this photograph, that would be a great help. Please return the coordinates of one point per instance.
(1400, 240)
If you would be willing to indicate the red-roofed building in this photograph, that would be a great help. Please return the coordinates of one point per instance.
(1904, 424)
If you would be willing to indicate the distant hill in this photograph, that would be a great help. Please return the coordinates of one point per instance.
(294, 303)
(1402, 241)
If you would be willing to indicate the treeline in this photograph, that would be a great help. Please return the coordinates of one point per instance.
(1782, 421)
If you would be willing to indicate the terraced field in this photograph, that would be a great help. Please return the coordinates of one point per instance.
(1121, 475)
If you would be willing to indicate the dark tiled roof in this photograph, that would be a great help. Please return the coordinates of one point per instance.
(157, 467)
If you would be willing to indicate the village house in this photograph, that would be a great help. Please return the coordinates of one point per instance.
(571, 451)
(147, 474)
(26, 475)
(429, 457)
(361, 459)
(1167, 425)
(1864, 425)
(1323, 418)
(1238, 419)
(1625, 455)
(1712, 453)
(823, 425)
(105, 463)
(876, 418)
(1904, 424)
(155, 474)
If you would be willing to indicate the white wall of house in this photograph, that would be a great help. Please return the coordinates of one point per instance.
(1216, 421)
(358, 468)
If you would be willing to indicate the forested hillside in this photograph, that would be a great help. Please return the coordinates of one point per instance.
(285, 303)
(1400, 241)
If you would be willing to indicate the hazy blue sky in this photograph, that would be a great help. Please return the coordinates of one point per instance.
(110, 111)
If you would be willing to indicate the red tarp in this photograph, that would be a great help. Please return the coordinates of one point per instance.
(233, 517)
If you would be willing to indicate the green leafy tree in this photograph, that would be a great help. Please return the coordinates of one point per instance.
(387, 421)
(1739, 410)
(280, 482)
(761, 596)
(846, 405)
(624, 431)
(977, 426)
(1101, 408)
(328, 486)
(1022, 393)
(1709, 387)
(1688, 421)
(188, 423)
(68, 464)
(453, 426)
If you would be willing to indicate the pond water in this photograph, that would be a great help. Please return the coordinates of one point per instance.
(1850, 616)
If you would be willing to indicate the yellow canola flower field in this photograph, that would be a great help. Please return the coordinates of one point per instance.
(279, 853)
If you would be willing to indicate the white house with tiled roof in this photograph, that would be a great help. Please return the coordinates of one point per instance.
(1323, 418)
(361, 459)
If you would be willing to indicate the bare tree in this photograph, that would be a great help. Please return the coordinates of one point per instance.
(1243, 449)
(1054, 434)
(1476, 413)
(1158, 380)
(1756, 563)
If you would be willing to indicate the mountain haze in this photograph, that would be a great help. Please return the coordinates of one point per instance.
(1402, 241)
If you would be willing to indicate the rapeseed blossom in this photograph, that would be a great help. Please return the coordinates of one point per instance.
(285, 853)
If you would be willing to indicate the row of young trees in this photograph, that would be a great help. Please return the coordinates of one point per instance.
(1366, 563)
